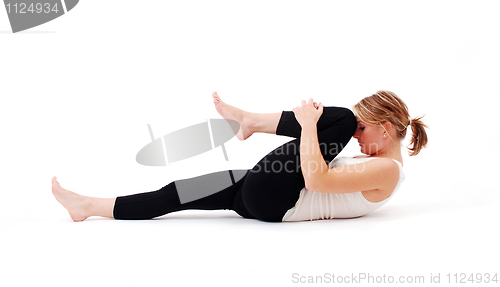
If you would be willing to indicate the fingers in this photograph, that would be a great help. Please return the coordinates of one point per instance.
(310, 102)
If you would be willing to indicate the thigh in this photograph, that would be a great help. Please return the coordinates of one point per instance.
(338, 118)
(273, 186)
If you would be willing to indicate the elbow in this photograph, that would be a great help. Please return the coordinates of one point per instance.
(311, 183)
(318, 183)
(315, 179)
(309, 187)
(308, 183)
(314, 187)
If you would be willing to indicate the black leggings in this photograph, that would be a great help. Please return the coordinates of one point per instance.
(265, 192)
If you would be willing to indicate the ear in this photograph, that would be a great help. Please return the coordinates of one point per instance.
(387, 125)
(387, 128)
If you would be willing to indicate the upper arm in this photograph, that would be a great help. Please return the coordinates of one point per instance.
(378, 174)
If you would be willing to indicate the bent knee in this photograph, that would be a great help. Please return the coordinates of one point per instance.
(348, 119)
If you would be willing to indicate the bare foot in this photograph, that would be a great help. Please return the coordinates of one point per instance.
(74, 203)
(233, 113)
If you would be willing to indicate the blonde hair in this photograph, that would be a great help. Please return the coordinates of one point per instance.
(385, 106)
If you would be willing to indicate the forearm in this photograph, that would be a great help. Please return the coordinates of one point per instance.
(312, 162)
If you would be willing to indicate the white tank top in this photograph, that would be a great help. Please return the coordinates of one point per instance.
(314, 205)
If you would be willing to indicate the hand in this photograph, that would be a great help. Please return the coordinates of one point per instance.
(308, 113)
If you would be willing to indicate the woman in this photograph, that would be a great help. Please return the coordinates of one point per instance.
(299, 180)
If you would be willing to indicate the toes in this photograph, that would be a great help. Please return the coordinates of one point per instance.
(216, 99)
(215, 96)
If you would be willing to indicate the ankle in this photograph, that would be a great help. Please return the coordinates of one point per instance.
(251, 121)
(86, 205)
(102, 207)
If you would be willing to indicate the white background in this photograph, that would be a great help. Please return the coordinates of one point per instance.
(78, 92)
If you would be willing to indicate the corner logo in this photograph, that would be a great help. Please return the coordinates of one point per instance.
(26, 14)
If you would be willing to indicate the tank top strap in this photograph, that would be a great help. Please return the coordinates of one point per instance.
(399, 163)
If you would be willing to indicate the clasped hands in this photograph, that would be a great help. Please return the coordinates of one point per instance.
(309, 113)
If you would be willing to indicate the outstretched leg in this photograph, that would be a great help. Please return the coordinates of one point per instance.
(152, 204)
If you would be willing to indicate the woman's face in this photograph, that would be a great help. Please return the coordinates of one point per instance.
(370, 137)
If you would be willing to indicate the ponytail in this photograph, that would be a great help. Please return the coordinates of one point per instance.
(419, 136)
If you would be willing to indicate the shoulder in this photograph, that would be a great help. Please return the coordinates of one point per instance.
(385, 174)
(384, 162)
(383, 166)
(373, 165)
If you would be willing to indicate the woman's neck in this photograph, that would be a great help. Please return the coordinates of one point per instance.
(393, 152)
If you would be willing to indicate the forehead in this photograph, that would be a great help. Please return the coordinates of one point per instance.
(359, 121)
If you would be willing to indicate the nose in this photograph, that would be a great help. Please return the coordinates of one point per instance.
(356, 134)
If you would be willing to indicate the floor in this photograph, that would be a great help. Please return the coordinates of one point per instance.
(190, 248)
